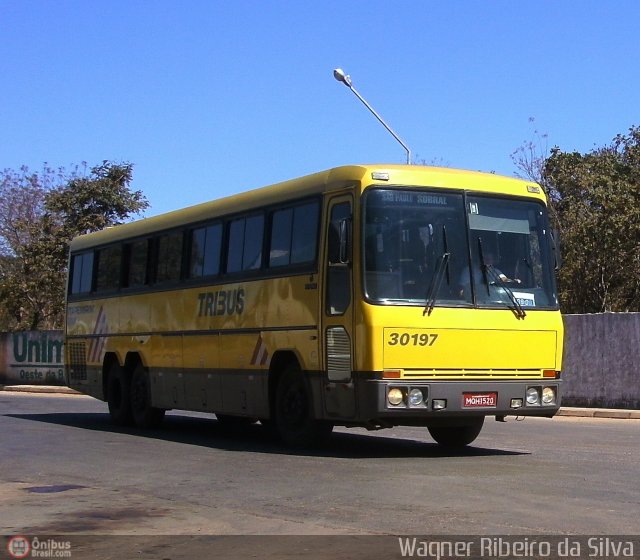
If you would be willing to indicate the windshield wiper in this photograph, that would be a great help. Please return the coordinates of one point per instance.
(436, 281)
(517, 308)
(490, 269)
(483, 265)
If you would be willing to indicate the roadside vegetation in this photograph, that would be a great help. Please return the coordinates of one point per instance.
(594, 201)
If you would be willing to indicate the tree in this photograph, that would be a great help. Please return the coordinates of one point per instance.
(92, 203)
(22, 196)
(39, 215)
(530, 159)
(24, 273)
(597, 209)
(30, 289)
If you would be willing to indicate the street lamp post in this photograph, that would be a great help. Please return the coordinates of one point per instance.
(339, 75)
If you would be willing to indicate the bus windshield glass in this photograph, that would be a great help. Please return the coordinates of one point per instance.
(418, 249)
(509, 242)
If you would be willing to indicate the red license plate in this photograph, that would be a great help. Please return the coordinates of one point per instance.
(479, 400)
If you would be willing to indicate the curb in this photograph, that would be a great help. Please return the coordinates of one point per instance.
(599, 413)
(572, 412)
(53, 389)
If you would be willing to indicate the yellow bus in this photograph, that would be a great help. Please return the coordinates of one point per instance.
(365, 295)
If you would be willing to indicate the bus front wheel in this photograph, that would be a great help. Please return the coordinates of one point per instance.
(144, 415)
(457, 435)
(294, 418)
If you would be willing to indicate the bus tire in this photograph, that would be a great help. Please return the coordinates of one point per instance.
(457, 436)
(294, 418)
(144, 415)
(119, 396)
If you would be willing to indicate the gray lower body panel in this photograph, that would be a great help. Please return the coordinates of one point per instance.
(461, 399)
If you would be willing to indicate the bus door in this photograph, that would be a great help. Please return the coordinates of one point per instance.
(337, 313)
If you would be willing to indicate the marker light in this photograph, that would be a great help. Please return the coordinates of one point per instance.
(439, 404)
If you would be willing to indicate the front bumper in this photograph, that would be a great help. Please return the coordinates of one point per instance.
(448, 399)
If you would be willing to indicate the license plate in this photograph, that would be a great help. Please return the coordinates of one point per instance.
(479, 400)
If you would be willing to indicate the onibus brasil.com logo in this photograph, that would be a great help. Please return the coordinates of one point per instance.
(23, 547)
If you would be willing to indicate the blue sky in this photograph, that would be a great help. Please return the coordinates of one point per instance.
(209, 98)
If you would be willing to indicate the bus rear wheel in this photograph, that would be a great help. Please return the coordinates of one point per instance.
(144, 415)
(119, 396)
(294, 418)
(457, 436)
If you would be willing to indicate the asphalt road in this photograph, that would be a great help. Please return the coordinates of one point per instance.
(65, 469)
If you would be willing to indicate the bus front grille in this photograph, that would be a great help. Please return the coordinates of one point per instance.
(473, 374)
(77, 361)
(338, 354)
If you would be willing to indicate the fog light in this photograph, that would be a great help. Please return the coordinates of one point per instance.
(549, 395)
(416, 398)
(516, 403)
(439, 404)
(533, 396)
(395, 396)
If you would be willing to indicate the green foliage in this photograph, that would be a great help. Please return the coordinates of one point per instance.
(31, 286)
(25, 258)
(597, 210)
(530, 157)
(92, 203)
(39, 214)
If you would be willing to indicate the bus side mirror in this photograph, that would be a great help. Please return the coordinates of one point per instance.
(555, 247)
(344, 242)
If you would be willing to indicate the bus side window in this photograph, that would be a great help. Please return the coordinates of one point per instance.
(109, 268)
(245, 244)
(82, 273)
(169, 258)
(252, 254)
(136, 263)
(281, 224)
(339, 270)
(305, 233)
(294, 234)
(206, 244)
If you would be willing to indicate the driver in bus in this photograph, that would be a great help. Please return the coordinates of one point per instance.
(490, 261)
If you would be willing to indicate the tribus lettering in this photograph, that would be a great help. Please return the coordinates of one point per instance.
(223, 302)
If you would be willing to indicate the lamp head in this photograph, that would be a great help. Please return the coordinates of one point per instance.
(339, 75)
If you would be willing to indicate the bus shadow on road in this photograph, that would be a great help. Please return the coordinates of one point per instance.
(206, 431)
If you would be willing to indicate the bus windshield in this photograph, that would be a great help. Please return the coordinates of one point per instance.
(456, 249)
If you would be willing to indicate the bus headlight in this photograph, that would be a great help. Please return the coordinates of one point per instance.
(416, 398)
(549, 395)
(395, 396)
(533, 396)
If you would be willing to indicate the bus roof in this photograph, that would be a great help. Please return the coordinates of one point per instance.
(309, 185)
